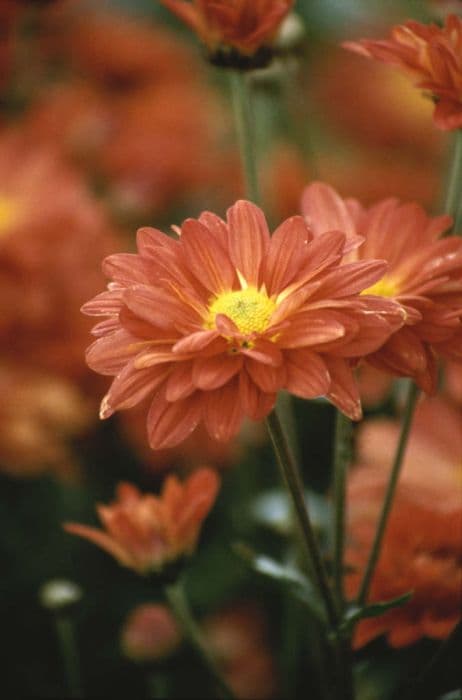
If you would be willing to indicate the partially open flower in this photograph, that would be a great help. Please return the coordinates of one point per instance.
(234, 31)
(146, 532)
(424, 274)
(213, 325)
(432, 56)
(150, 633)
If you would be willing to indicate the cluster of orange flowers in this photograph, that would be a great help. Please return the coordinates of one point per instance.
(209, 324)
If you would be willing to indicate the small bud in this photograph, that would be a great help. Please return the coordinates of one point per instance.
(59, 594)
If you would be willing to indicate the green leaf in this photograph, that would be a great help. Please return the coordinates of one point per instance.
(355, 613)
(292, 578)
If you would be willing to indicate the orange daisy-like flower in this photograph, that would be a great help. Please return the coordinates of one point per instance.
(214, 324)
(422, 548)
(424, 275)
(146, 532)
(237, 28)
(432, 56)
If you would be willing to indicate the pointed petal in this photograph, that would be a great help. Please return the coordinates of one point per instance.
(287, 249)
(179, 384)
(268, 378)
(131, 386)
(223, 413)
(343, 391)
(307, 374)
(256, 403)
(324, 210)
(170, 423)
(205, 257)
(248, 239)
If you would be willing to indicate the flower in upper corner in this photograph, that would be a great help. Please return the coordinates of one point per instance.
(432, 56)
(424, 275)
(237, 33)
(146, 533)
(422, 547)
(212, 325)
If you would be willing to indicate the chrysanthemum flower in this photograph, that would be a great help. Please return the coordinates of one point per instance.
(146, 532)
(214, 324)
(150, 633)
(424, 274)
(422, 548)
(240, 26)
(432, 56)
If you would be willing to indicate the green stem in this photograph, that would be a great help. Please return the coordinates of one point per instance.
(342, 457)
(294, 484)
(411, 401)
(245, 127)
(69, 652)
(180, 608)
(454, 189)
(293, 481)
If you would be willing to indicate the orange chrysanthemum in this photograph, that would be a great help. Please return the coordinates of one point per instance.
(146, 532)
(424, 274)
(214, 324)
(422, 548)
(432, 56)
(241, 25)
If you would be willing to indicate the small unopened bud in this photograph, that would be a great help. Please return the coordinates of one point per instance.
(59, 594)
(150, 633)
(291, 34)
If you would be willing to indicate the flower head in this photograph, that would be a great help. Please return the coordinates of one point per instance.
(422, 549)
(432, 56)
(213, 325)
(150, 633)
(239, 28)
(146, 532)
(424, 275)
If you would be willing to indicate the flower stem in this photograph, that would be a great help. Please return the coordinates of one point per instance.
(293, 481)
(294, 484)
(342, 456)
(454, 188)
(411, 401)
(180, 608)
(245, 127)
(70, 656)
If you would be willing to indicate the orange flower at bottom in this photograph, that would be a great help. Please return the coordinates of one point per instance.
(422, 548)
(147, 532)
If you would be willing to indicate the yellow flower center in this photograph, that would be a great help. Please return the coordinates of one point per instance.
(385, 287)
(250, 309)
(8, 213)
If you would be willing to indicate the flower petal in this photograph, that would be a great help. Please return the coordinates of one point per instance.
(213, 372)
(223, 412)
(307, 374)
(248, 239)
(343, 390)
(170, 423)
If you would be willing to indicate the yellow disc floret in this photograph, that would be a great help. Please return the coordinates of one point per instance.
(385, 287)
(249, 308)
(8, 213)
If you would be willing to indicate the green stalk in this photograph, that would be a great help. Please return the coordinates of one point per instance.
(411, 401)
(453, 204)
(342, 457)
(180, 607)
(69, 652)
(245, 127)
(293, 481)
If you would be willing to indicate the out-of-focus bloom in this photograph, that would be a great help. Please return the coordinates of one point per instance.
(137, 121)
(52, 237)
(239, 637)
(213, 325)
(424, 274)
(59, 595)
(146, 532)
(245, 26)
(432, 56)
(150, 633)
(38, 420)
(422, 548)
(387, 112)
